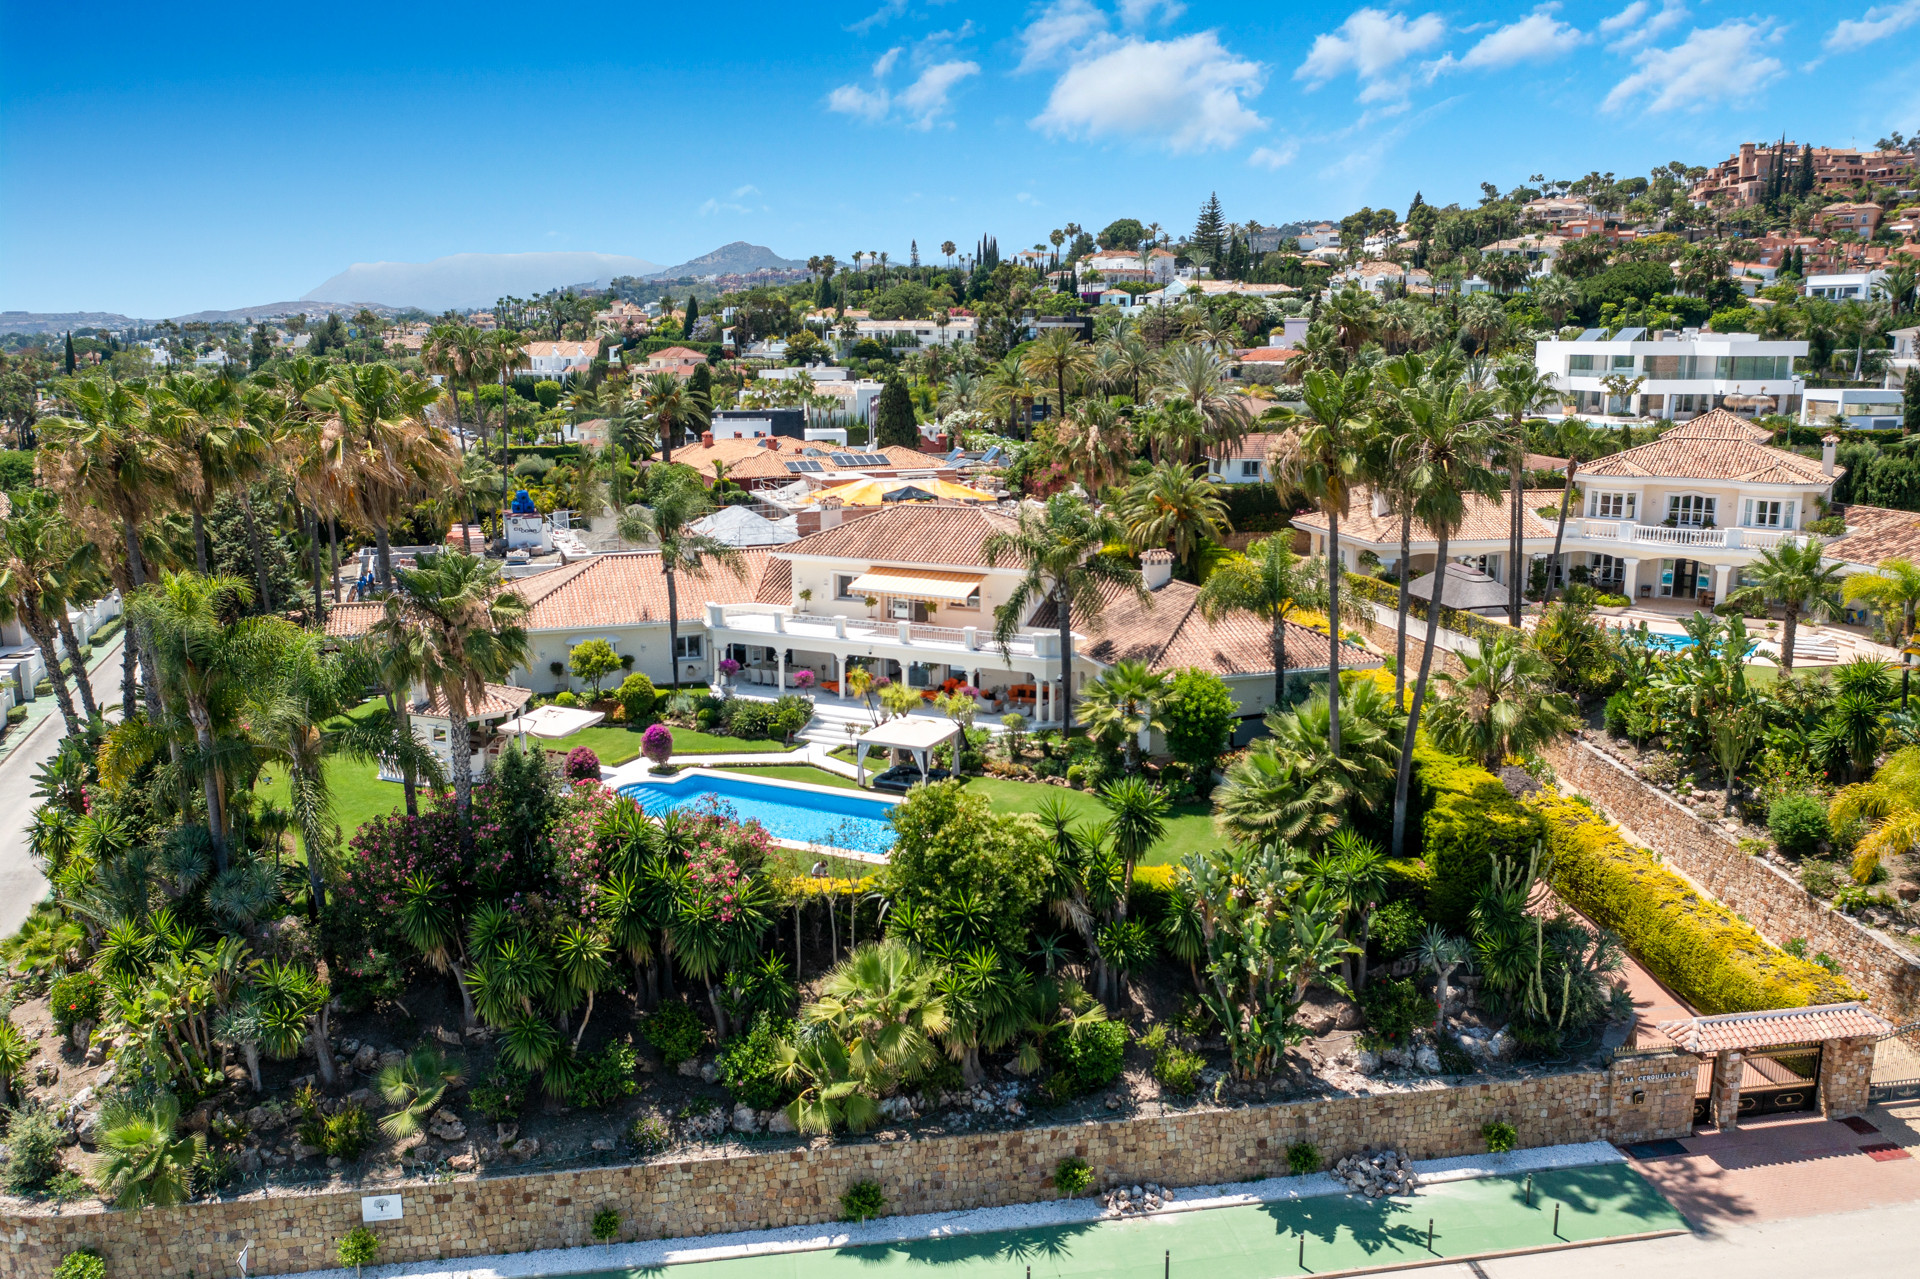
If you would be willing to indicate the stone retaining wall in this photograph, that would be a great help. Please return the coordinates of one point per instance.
(1378, 623)
(1638, 1098)
(1759, 892)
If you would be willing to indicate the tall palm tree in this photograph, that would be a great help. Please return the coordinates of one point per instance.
(1096, 441)
(113, 463)
(670, 407)
(1519, 388)
(1268, 582)
(1321, 456)
(1133, 360)
(1009, 389)
(1577, 440)
(674, 499)
(1452, 437)
(1175, 506)
(209, 659)
(1059, 547)
(1058, 356)
(474, 632)
(382, 452)
(1893, 585)
(451, 350)
(502, 355)
(1792, 576)
(1197, 376)
(37, 543)
(213, 438)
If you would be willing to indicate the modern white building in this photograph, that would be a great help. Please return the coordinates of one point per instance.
(1858, 409)
(950, 332)
(558, 359)
(1685, 374)
(1857, 285)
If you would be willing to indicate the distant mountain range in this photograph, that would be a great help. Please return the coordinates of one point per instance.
(462, 282)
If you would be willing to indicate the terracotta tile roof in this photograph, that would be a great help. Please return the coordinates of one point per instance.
(776, 583)
(929, 535)
(628, 588)
(1267, 355)
(676, 355)
(1717, 445)
(1170, 633)
(1766, 1029)
(500, 701)
(1258, 444)
(574, 350)
(345, 621)
(1486, 520)
(1874, 534)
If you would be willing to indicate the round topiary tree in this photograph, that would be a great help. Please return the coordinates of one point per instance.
(657, 744)
(637, 697)
(582, 765)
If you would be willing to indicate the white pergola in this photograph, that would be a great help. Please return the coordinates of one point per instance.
(918, 734)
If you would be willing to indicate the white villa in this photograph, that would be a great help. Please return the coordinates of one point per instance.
(1677, 518)
(1685, 374)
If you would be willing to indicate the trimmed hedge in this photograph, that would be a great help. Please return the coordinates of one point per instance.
(1703, 952)
(1467, 818)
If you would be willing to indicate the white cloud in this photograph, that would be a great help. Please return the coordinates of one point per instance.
(1370, 43)
(1639, 23)
(1185, 94)
(1879, 22)
(1712, 65)
(867, 104)
(884, 63)
(1062, 29)
(925, 100)
(748, 189)
(1537, 37)
(711, 207)
(1274, 157)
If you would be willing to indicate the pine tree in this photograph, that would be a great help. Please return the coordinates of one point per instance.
(913, 254)
(896, 424)
(1210, 232)
(693, 313)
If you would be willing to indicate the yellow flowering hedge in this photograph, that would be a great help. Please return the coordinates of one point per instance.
(1702, 951)
(1467, 819)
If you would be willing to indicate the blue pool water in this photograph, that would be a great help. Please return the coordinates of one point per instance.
(1653, 639)
(837, 819)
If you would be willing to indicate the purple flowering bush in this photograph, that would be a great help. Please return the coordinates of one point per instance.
(582, 765)
(657, 743)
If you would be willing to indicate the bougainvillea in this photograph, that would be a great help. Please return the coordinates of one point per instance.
(657, 743)
(582, 765)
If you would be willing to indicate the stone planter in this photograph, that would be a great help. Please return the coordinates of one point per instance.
(1613, 610)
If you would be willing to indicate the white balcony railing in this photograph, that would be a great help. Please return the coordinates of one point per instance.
(1626, 532)
(768, 620)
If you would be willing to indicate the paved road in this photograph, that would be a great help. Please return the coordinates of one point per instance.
(21, 884)
(1875, 1241)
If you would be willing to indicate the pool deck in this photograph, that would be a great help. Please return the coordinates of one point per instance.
(1477, 1207)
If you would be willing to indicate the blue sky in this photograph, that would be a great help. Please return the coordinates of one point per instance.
(154, 161)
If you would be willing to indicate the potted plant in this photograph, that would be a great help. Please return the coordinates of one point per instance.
(728, 669)
(806, 598)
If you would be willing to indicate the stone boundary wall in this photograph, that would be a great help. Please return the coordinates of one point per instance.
(1756, 890)
(1640, 1097)
(1377, 623)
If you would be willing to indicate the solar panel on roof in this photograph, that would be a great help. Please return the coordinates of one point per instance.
(873, 459)
(1591, 335)
(1630, 335)
(803, 468)
(846, 459)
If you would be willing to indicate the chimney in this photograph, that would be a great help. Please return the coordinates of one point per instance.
(830, 512)
(1829, 449)
(706, 439)
(1156, 568)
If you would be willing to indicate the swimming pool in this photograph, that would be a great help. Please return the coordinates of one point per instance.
(789, 810)
(1654, 639)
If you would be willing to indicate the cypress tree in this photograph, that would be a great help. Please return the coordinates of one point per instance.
(1803, 180)
(896, 424)
(693, 313)
(69, 351)
(823, 296)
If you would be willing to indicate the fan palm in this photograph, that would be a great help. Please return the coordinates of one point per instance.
(1893, 585)
(1175, 506)
(37, 544)
(674, 499)
(1891, 803)
(1793, 576)
(474, 631)
(415, 1086)
(883, 1004)
(1097, 443)
(1267, 582)
(1501, 704)
(1124, 703)
(1059, 547)
(1450, 436)
(145, 1163)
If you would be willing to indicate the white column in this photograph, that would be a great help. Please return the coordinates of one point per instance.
(1721, 572)
(780, 658)
(1629, 578)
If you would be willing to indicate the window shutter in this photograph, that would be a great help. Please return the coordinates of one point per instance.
(1746, 513)
(1786, 516)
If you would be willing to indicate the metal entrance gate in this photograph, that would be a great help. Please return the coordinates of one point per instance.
(1773, 1081)
(1896, 1067)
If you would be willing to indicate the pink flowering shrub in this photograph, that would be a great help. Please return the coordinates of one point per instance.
(657, 743)
(582, 765)
(580, 846)
(803, 679)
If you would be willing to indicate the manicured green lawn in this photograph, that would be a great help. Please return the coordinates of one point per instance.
(617, 744)
(1189, 826)
(358, 792)
(790, 773)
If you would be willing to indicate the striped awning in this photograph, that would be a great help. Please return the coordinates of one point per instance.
(919, 584)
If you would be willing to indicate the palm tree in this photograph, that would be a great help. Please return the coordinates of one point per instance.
(1502, 703)
(1891, 803)
(670, 407)
(113, 463)
(1133, 360)
(1321, 457)
(1136, 810)
(1451, 437)
(145, 1163)
(1196, 375)
(382, 453)
(37, 543)
(1009, 389)
(1291, 787)
(1519, 387)
(208, 659)
(1096, 442)
(1267, 582)
(1894, 584)
(1060, 548)
(1126, 703)
(415, 1087)
(675, 499)
(451, 350)
(1577, 440)
(1058, 356)
(474, 632)
(214, 438)
(1792, 576)
(1175, 506)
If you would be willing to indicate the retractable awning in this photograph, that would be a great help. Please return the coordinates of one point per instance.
(919, 584)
